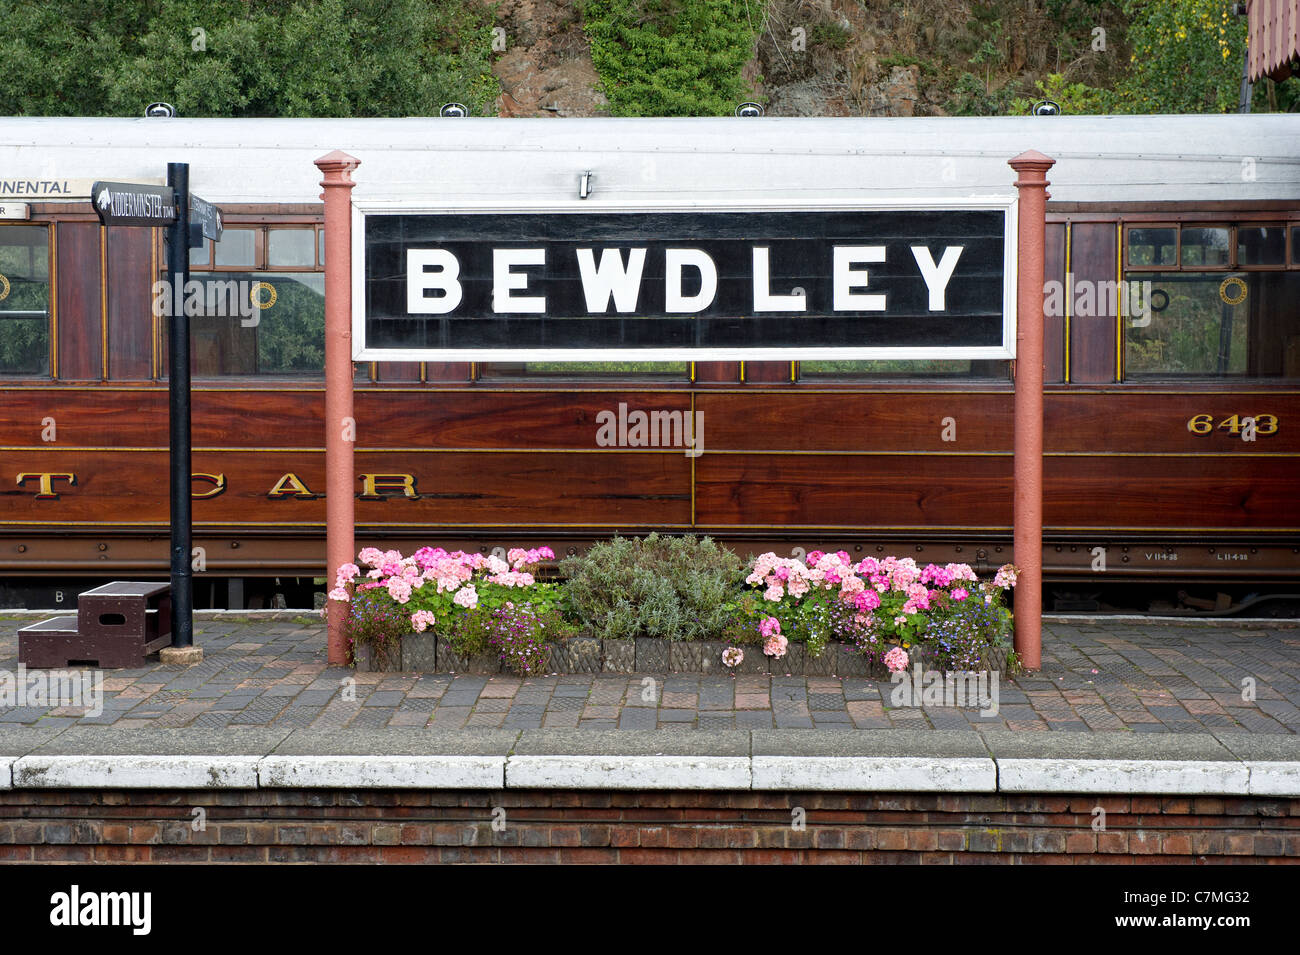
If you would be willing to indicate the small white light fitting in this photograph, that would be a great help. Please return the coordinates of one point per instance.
(749, 110)
(454, 110)
(156, 110)
(1046, 108)
(584, 185)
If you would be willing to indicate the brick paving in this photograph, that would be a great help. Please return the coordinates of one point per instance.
(1139, 677)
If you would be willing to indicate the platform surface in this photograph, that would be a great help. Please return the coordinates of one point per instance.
(1123, 706)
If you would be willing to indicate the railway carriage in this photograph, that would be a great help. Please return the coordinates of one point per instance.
(1172, 408)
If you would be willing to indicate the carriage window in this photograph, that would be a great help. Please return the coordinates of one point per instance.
(1295, 245)
(266, 319)
(1204, 247)
(1147, 246)
(1261, 245)
(582, 369)
(933, 368)
(291, 248)
(1187, 324)
(237, 248)
(258, 323)
(24, 301)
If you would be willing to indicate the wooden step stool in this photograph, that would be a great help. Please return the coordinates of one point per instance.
(117, 625)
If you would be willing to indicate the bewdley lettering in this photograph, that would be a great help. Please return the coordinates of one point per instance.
(614, 281)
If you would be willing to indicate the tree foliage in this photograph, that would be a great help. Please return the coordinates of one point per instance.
(1187, 57)
(245, 58)
(672, 57)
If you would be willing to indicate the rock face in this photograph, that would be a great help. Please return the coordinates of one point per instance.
(545, 69)
(895, 95)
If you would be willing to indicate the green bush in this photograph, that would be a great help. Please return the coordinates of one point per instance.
(673, 587)
(468, 631)
(246, 58)
(672, 57)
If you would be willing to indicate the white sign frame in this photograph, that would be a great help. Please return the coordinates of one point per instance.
(1008, 204)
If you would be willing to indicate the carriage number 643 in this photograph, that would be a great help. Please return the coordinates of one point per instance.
(1204, 424)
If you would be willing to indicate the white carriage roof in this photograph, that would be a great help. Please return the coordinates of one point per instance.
(1098, 158)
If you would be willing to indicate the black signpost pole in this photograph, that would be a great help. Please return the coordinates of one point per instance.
(178, 267)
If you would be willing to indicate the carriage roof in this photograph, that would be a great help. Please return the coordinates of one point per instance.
(1100, 159)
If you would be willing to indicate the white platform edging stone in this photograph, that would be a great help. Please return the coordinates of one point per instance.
(965, 774)
(628, 772)
(1124, 776)
(875, 773)
(1269, 778)
(382, 772)
(135, 772)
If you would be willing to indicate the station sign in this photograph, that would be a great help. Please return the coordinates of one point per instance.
(44, 187)
(916, 281)
(133, 204)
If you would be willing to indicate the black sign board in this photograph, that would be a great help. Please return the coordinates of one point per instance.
(133, 204)
(205, 220)
(829, 283)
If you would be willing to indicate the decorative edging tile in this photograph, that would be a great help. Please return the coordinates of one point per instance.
(577, 655)
(449, 661)
(423, 653)
(618, 656)
(697, 656)
(652, 655)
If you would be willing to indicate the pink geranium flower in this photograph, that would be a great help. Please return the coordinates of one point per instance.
(399, 588)
(896, 660)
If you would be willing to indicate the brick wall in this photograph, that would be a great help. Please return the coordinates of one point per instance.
(665, 827)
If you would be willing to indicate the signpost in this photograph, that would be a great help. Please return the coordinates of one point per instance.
(133, 204)
(172, 206)
(178, 403)
(205, 221)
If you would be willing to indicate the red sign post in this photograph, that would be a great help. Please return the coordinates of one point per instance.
(1027, 516)
(340, 423)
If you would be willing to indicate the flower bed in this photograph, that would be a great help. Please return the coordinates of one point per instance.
(671, 603)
